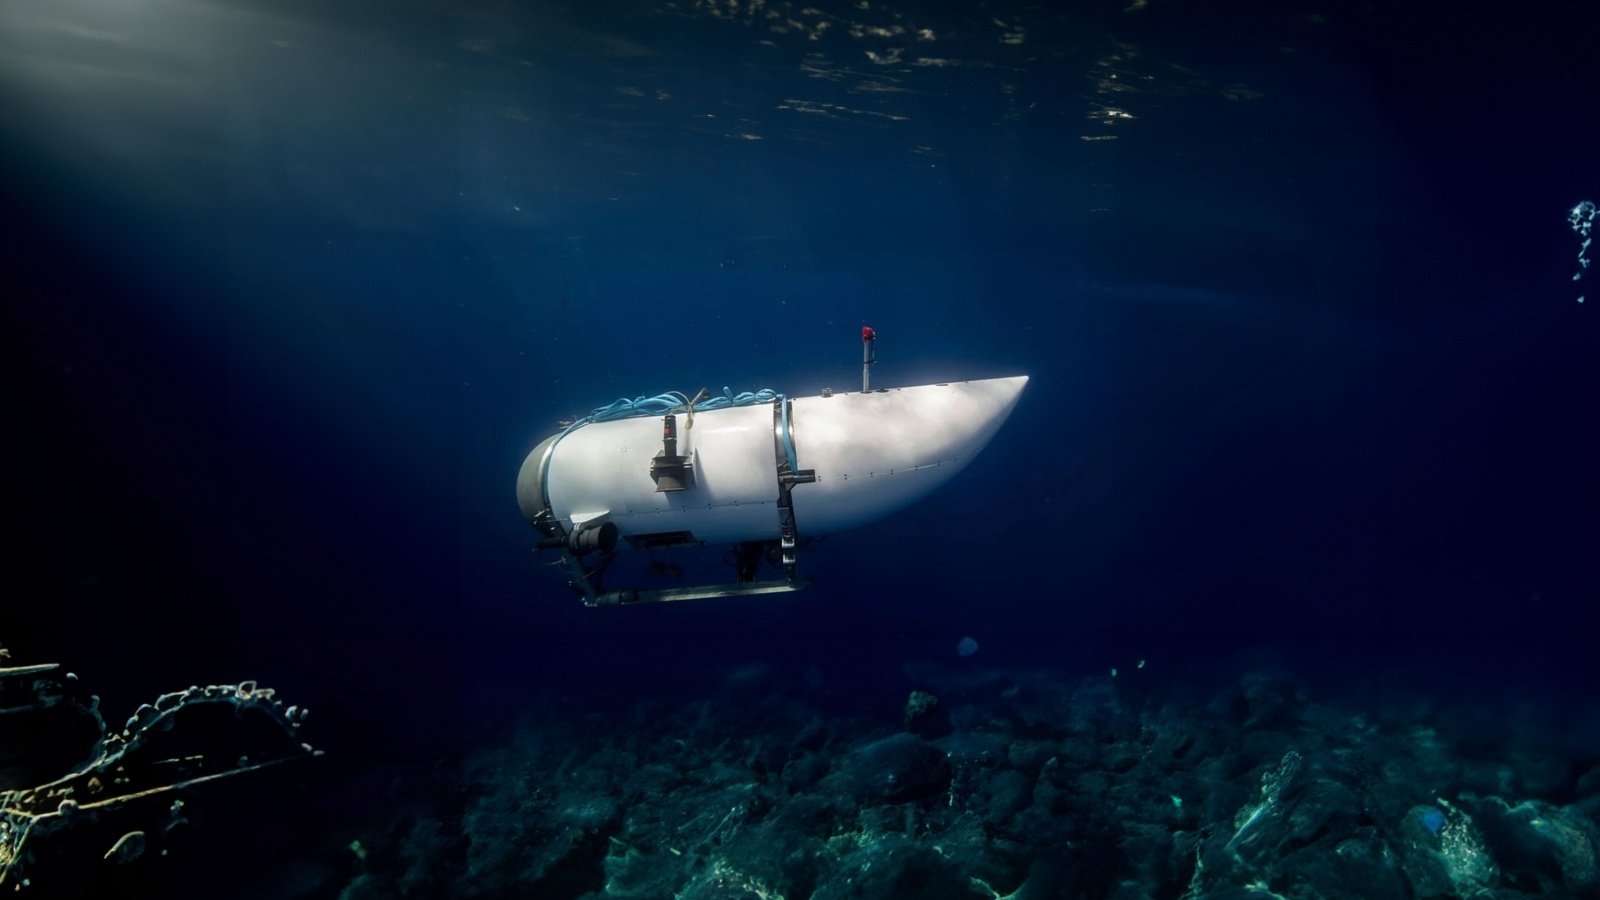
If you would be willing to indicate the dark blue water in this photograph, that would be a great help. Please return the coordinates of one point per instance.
(291, 289)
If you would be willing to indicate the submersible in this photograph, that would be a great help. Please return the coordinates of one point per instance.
(761, 471)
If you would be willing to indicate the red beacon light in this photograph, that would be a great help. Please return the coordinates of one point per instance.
(869, 355)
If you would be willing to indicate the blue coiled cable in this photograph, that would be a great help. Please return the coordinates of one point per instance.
(661, 404)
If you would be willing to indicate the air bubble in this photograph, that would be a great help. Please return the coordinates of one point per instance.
(1581, 218)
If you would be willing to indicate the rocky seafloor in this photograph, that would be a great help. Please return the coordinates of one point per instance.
(998, 784)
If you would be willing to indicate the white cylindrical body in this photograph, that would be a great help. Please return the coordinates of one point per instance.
(605, 468)
(873, 454)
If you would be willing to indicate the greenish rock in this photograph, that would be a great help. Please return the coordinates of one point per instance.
(1541, 848)
(923, 716)
(897, 769)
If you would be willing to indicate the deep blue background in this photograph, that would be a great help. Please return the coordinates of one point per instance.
(292, 288)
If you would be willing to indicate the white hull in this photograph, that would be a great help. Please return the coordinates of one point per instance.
(872, 454)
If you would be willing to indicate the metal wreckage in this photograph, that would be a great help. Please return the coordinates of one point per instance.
(81, 805)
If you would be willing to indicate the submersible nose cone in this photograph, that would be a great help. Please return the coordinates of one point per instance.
(876, 453)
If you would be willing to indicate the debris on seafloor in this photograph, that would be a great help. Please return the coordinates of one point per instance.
(79, 801)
